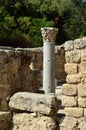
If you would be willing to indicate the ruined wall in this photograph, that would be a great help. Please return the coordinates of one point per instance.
(74, 91)
(15, 76)
(21, 70)
(33, 111)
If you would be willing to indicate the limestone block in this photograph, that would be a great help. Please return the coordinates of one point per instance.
(74, 112)
(73, 56)
(68, 123)
(82, 102)
(83, 55)
(5, 120)
(80, 43)
(82, 123)
(82, 89)
(69, 101)
(68, 128)
(85, 112)
(69, 89)
(69, 45)
(83, 68)
(75, 78)
(71, 68)
(32, 102)
(26, 121)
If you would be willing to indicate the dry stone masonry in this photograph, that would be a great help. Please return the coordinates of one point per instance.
(21, 108)
(34, 111)
(74, 91)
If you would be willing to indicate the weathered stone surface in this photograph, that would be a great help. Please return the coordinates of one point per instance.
(69, 101)
(31, 102)
(68, 122)
(71, 68)
(69, 45)
(83, 55)
(4, 90)
(80, 43)
(26, 121)
(85, 112)
(74, 112)
(5, 120)
(68, 128)
(83, 68)
(73, 56)
(69, 89)
(81, 89)
(75, 78)
(82, 123)
(82, 102)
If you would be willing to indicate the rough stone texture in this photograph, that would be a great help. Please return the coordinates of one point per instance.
(85, 112)
(80, 43)
(68, 101)
(82, 89)
(82, 102)
(74, 112)
(82, 123)
(71, 68)
(73, 56)
(30, 102)
(5, 120)
(32, 121)
(69, 89)
(73, 79)
(68, 123)
(69, 45)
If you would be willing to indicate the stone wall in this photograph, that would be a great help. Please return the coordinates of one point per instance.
(33, 111)
(74, 91)
(21, 70)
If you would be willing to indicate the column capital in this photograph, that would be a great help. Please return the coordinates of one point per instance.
(49, 34)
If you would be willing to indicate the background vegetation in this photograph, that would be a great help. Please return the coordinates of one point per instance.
(21, 21)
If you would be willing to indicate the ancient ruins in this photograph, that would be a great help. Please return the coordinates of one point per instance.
(24, 107)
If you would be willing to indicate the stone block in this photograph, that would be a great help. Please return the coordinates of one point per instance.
(75, 78)
(69, 89)
(82, 123)
(5, 120)
(83, 68)
(74, 112)
(82, 102)
(83, 55)
(69, 45)
(85, 112)
(69, 101)
(82, 89)
(25, 121)
(32, 102)
(68, 122)
(79, 43)
(68, 128)
(71, 68)
(73, 56)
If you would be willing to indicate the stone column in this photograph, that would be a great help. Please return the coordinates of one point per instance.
(49, 36)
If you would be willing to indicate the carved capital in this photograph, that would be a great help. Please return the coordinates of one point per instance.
(49, 34)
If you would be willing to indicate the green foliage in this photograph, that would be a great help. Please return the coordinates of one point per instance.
(22, 20)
